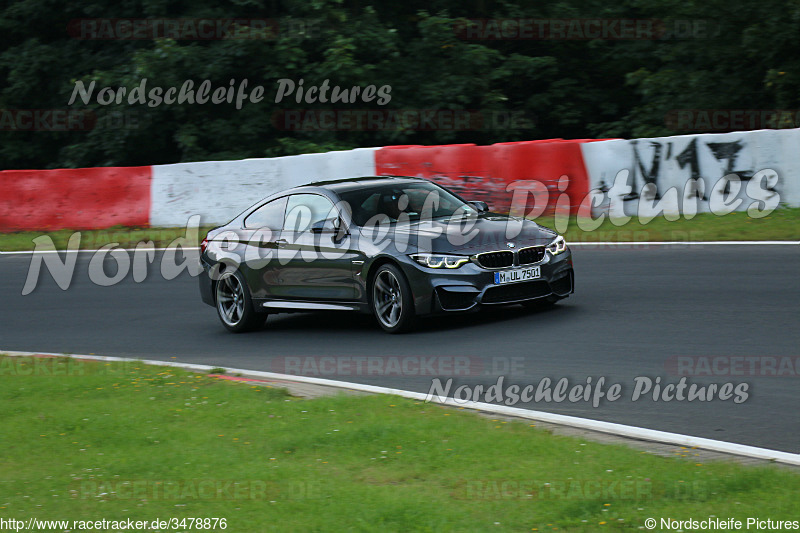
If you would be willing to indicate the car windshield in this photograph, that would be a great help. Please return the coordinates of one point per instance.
(403, 201)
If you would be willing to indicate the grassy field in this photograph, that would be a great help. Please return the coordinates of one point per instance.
(94, 239)
(782, 224)
(87, 440)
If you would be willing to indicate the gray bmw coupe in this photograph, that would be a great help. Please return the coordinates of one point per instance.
(396, 247)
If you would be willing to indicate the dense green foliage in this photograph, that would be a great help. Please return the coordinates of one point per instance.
(744, 56)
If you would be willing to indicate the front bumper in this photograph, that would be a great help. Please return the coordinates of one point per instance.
(471, 286)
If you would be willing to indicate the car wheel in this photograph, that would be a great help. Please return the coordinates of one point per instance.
(392, 301)
(234, 305)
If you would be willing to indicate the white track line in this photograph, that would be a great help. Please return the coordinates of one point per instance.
(564, 420)
(572, 243)
(689, 243)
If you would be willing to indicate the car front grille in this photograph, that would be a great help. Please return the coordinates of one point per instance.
(514, 292)
(500, 259)
(531, 255)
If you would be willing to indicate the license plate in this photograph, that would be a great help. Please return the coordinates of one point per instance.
(518, 274)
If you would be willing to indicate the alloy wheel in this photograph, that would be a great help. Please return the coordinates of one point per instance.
(230, 300)
(387, 296)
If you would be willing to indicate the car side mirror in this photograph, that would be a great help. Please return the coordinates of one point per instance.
(327, 225)
(482, 207)
(330, 225)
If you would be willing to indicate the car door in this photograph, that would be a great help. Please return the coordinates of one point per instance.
(314, 258)
(259, 256)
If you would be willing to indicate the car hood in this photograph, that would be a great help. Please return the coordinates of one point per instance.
(489, 231)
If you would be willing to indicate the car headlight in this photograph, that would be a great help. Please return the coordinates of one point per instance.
(439, 260)
(557, 246)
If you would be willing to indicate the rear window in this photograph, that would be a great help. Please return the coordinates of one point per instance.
(269, 215)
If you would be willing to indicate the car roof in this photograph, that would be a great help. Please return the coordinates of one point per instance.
(348, 184)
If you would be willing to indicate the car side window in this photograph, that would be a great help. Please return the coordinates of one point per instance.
(269, 215)
(304, 210)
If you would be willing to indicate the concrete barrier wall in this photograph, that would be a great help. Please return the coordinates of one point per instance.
(695, 172)
(220, 190)
(74, 198)
(674, 174)
(495, 173)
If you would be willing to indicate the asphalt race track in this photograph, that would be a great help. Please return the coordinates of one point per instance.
(636, 309)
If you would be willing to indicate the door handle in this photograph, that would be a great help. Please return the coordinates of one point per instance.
(281, 243)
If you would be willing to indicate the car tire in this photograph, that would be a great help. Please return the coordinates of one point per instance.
(234, 304)
(391, 299)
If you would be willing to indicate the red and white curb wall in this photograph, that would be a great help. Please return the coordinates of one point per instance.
(167, 195)
(220, 190)
(80, 198)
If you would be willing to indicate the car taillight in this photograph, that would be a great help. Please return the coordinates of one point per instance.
(204, 245)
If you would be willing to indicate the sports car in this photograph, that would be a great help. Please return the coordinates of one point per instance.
(396, 247)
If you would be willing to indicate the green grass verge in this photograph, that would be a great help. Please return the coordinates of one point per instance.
(782, 224)
(86, 440)
(94, 239)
